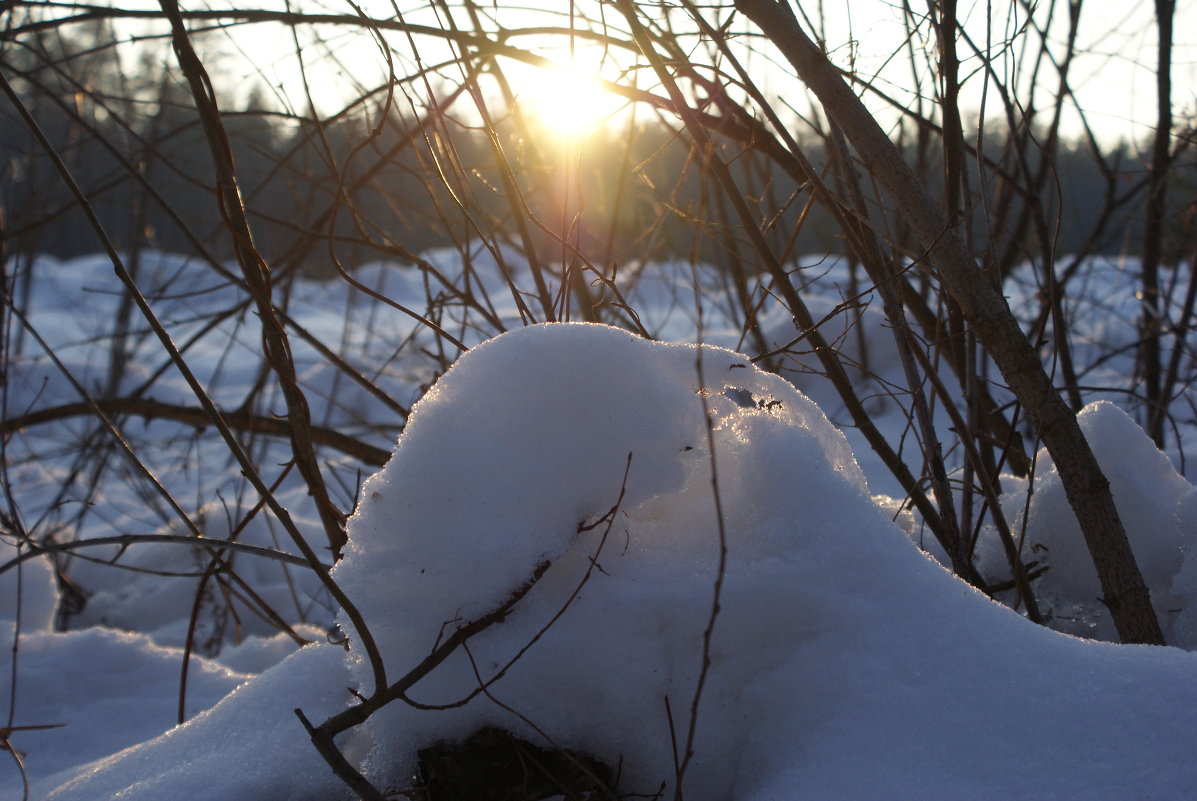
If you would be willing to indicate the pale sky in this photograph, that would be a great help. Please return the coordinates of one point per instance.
(1112, 75)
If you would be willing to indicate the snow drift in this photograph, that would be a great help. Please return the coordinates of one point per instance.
(843, 662)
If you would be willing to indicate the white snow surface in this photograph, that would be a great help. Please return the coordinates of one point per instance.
(27, 592)
(1160, 523)
(844, 663)
(102, 690)
(250, 745)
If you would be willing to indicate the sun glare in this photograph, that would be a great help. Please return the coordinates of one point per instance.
(567, 103)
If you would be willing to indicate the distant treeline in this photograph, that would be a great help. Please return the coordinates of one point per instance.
(381, 182)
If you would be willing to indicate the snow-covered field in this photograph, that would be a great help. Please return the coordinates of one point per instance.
(653, 479)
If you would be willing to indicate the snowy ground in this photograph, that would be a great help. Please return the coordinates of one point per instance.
(845, 663)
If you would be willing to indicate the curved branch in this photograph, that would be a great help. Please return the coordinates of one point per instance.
(125, 540)
(195, 416)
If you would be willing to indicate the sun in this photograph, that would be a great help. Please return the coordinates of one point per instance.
(567, 103)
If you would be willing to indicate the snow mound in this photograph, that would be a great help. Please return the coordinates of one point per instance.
(1148, 492)
(522, 442)
(820, 683)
